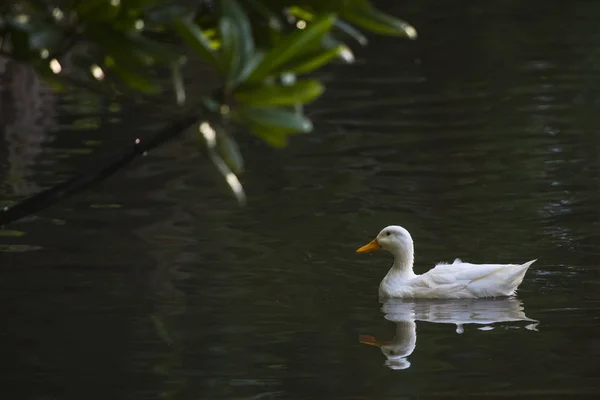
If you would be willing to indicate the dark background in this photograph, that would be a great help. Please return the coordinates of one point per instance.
(481, 138)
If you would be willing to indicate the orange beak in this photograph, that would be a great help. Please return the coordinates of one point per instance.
(371, 246)
(368, 339)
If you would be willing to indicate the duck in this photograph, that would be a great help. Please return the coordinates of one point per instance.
(459, 280)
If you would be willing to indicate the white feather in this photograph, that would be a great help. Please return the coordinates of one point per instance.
(457, 280)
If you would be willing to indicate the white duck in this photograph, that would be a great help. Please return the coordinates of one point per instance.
(444, 281)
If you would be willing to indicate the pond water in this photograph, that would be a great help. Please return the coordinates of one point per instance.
(481, 138)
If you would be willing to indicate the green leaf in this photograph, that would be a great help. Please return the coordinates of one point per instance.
(330, 42)
(306, 64)
(193, 36)
(165, 14)
(276, 137)
(351, 31)
(161, 330)
(368, 17)
(43, 69)
(135, 52)
(230, 152)
(152, 49)
(339, 25)
(238, 16)
(231, 179)
(230, 44)
(250, 65)
(237, 42)
(273, 117)
(40, 35)
(271, 18)
(302, 92)
(293, 45)
(301, 13)
(97, 10)
(135, 78)
(210, 104)
(178, 84)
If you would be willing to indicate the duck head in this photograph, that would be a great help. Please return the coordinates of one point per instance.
(393, 238)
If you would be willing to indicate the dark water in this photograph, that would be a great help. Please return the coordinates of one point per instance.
(481, 138)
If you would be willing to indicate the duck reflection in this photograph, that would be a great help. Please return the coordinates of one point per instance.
(405, 313)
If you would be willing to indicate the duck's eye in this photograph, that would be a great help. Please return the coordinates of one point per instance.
(387, 233)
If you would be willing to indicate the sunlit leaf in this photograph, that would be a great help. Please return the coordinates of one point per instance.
(209, 134)
(161, 330)
(273, 117)
(365, 15)
(351, 31)
(339, 25)
(302, 92)
(230, 152)
(330, 42)
(231, 178)
(311, 62)
(293, 45)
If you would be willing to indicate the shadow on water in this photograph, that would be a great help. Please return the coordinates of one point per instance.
(405, 313)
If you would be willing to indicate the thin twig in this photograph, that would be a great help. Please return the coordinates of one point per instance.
(84, 180)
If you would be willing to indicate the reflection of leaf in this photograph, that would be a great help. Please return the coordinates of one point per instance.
(18, 248)
(301, 92)
(161, 330)
(106, 206)
(10, 233)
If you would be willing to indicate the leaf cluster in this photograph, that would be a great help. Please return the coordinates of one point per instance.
(263, 52)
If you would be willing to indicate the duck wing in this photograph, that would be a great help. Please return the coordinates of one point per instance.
(482, 280)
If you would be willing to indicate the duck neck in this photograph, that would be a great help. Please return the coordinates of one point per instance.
(403, 263)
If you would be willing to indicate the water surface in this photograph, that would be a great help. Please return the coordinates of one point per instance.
(481, 138)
